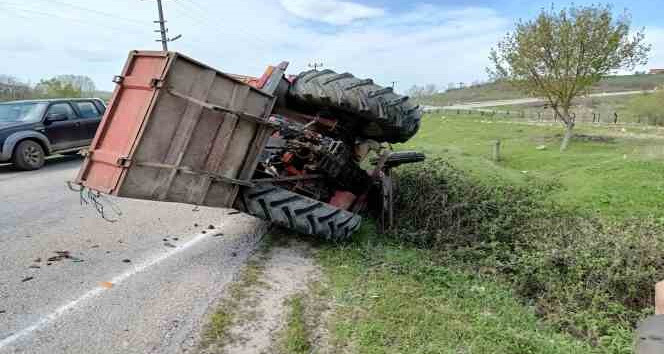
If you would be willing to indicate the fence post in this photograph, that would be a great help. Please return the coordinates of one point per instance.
(495, 150)
(615, 117)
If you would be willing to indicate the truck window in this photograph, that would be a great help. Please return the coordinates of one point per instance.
(87, 109)
(100, 106)
(62, 108)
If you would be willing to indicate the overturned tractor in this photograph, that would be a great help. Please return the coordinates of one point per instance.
(309, 152)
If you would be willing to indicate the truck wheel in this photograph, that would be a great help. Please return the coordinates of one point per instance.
(383, 115)
(28, 155)
(299, 213)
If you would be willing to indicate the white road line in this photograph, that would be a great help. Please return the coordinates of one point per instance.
(62, 310)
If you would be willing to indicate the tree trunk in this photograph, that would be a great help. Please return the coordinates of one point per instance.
(567, 137)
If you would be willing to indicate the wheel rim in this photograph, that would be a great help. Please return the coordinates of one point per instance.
(32, 155)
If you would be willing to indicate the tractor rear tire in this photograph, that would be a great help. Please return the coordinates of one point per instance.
(379, 113)
(299, 213)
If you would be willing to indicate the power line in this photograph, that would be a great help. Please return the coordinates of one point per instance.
(12, 6)
(205, 17)
(88, 10)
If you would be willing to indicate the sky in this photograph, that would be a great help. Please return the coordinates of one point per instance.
(409, 42)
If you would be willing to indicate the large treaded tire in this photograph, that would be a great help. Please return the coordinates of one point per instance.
(384, 115)
(299, 213)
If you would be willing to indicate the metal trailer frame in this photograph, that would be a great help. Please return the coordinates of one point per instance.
(178, 130)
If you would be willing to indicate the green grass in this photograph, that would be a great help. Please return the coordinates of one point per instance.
(501, 91)
(563, 289)
(393, 299)
(617, 176)
(296, 337)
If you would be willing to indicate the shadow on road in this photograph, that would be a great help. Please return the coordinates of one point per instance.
(53, 163)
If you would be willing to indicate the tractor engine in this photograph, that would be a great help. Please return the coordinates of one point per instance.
(319, 165)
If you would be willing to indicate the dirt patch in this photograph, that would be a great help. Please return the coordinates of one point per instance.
(254, 317)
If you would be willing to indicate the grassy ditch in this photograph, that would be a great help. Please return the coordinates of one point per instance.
(540, 252)
(394, 298)
(589, 276)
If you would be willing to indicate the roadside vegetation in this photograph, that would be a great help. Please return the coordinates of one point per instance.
(61, 86)
(534, 253)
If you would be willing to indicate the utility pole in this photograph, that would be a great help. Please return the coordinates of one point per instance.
(162, 28)
(315, 65)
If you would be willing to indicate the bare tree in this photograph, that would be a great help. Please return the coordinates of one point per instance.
(561, 54)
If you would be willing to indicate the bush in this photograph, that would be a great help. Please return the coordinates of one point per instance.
(589, 276)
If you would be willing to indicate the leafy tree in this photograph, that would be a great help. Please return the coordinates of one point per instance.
(561, 54)
(80, 82)
(422, 91)
(55, 88)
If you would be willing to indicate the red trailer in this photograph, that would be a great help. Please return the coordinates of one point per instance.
(177, 130)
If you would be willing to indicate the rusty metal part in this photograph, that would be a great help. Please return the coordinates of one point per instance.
(287, 179)
(361, 202)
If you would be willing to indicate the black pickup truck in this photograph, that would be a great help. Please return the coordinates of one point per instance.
(32, 130)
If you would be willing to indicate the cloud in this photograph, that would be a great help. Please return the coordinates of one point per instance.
(20, 45)
(419, 44)
(331, 11)
(90, 55)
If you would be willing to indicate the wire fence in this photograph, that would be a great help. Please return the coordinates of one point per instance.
(548, 115)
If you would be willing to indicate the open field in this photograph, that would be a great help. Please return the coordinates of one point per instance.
(613, 170)
(501, 91)
(391, 294)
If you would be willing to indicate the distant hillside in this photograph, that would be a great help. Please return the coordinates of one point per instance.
(502, 91)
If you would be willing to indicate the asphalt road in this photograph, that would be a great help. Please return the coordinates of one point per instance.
(123, 289)
(518, 101)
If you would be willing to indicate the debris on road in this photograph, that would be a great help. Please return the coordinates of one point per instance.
(106, 284)
(37, 260)
(234, 212)
(126, 260)
(195, 225)
(168, 244)
(26, 279)
(218, 234)
(2, 311)
(175, 238)
(34, 266)
(203, 232)
(211, 227)
(60, 255)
